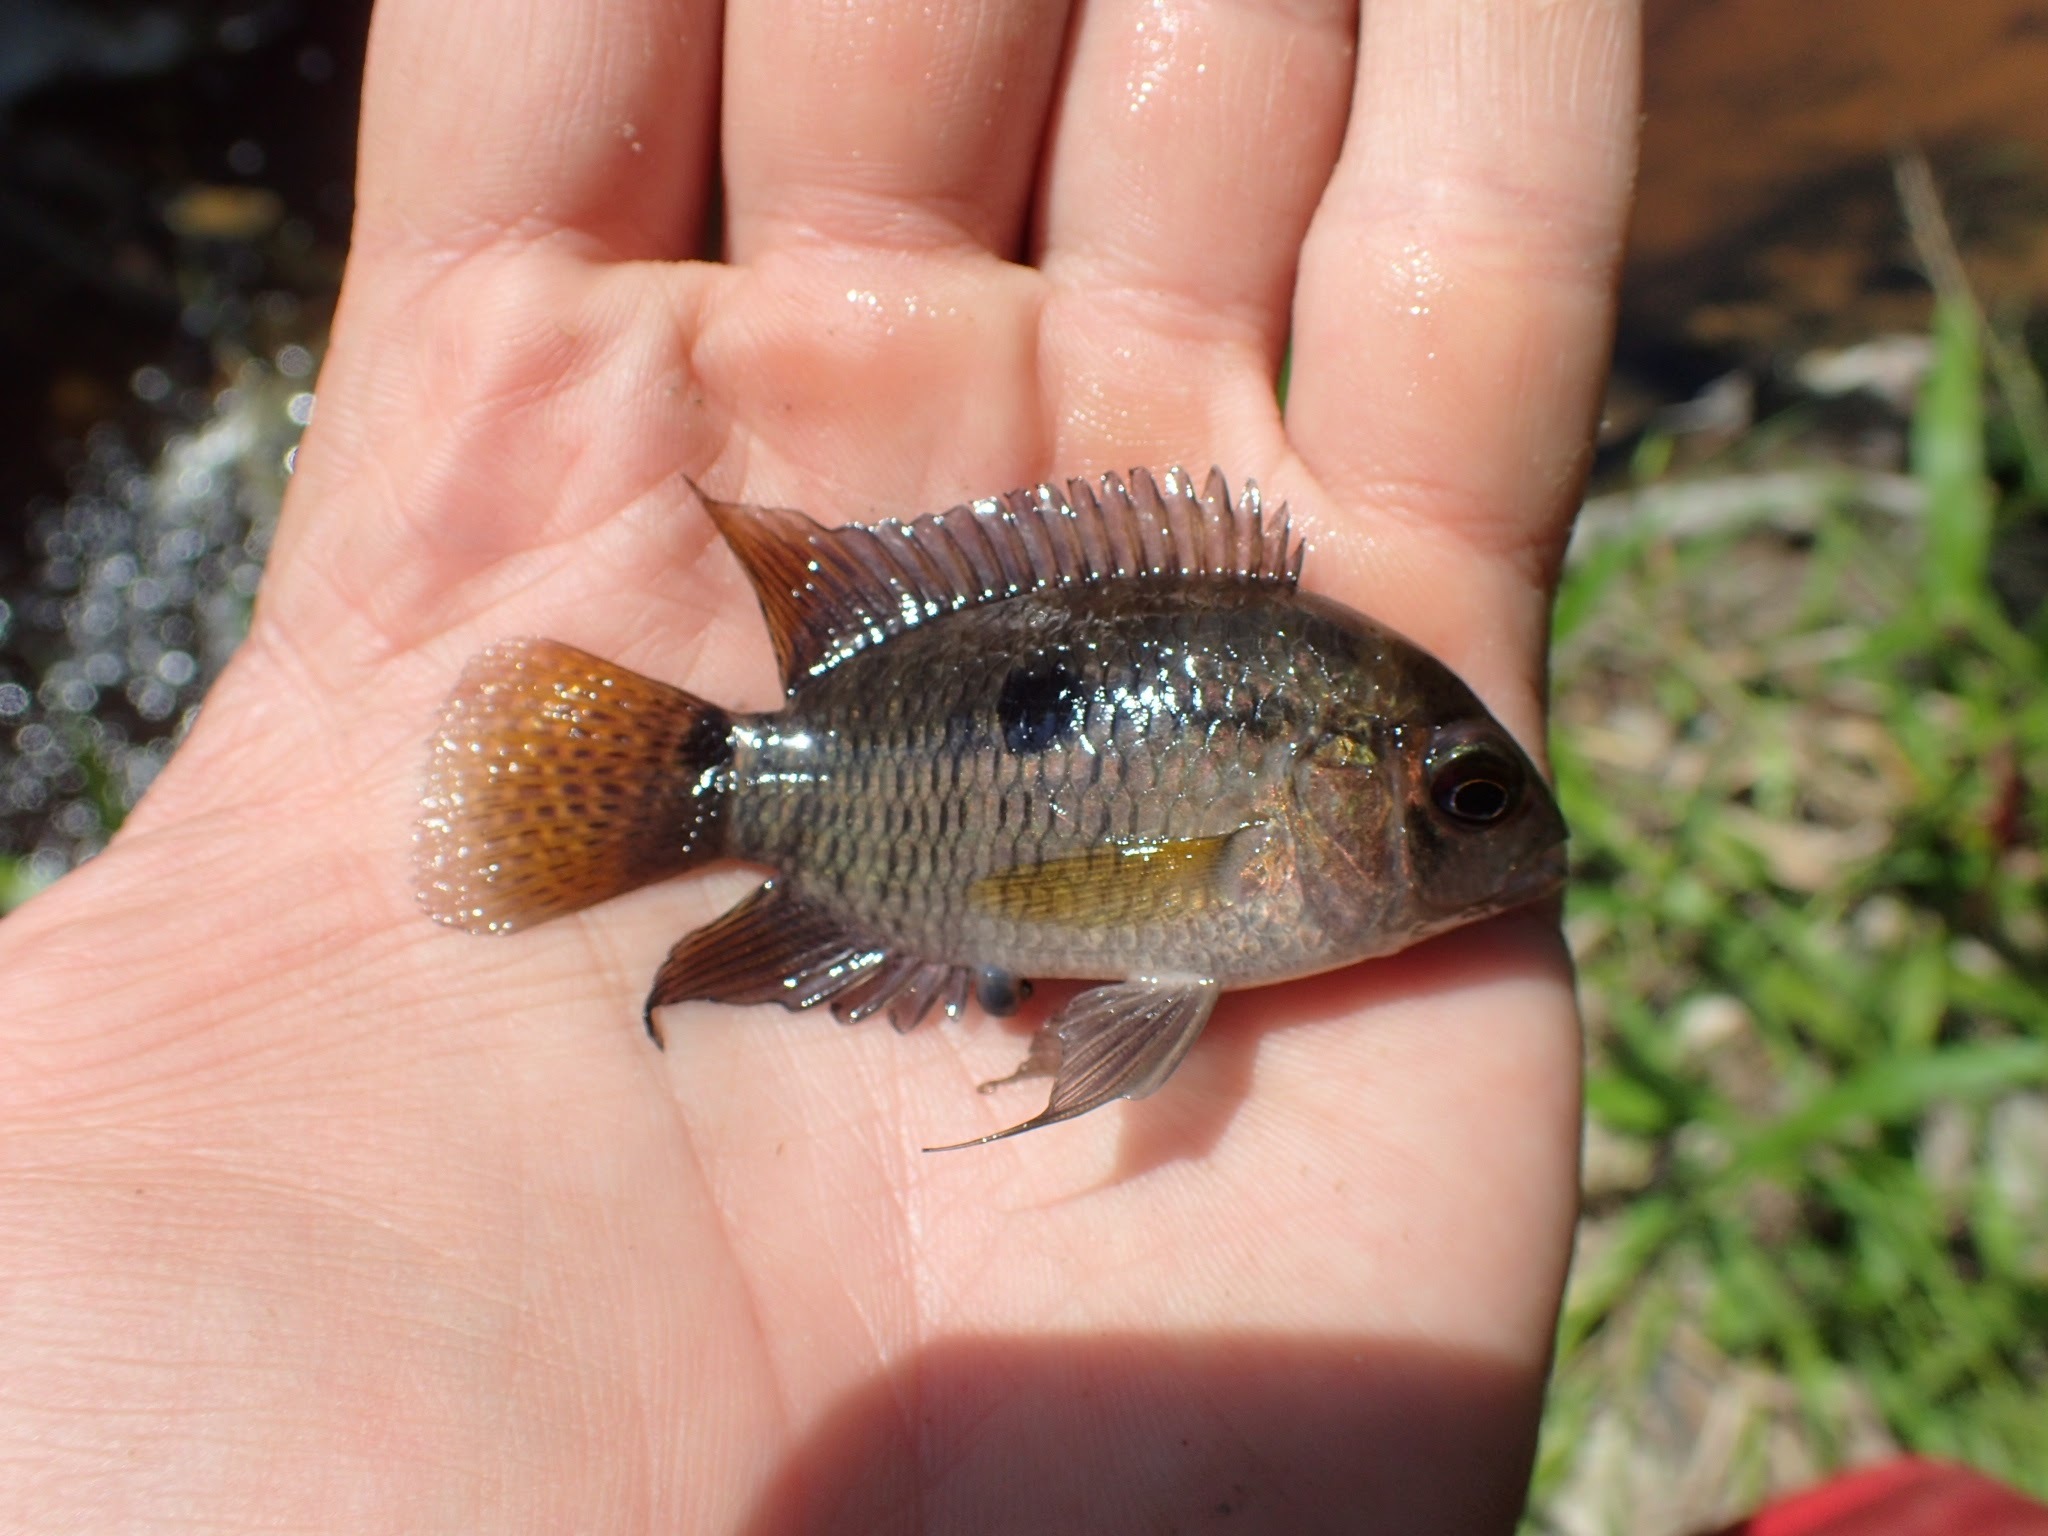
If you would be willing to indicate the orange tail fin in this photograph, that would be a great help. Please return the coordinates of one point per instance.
(557, 781)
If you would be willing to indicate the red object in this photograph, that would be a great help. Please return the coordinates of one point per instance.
(1901, 1498)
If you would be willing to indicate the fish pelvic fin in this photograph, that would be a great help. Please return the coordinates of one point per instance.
(775, 947)
(1115, 1042)
(557, 780)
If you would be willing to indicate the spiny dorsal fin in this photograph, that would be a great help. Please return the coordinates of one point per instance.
(830, 592)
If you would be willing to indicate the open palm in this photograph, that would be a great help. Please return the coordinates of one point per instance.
(313, 1214)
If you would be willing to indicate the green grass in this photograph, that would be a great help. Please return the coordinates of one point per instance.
(17, 883)
(1808, 783)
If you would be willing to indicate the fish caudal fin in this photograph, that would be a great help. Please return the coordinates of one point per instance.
(557, 781)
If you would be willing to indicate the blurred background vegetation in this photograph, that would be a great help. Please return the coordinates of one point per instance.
(1801, 728)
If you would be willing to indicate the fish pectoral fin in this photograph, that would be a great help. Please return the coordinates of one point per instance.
(1115, 1042)
(1116, 883)
(775, 947)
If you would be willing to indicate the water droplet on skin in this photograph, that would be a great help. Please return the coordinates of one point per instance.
(1416, 270)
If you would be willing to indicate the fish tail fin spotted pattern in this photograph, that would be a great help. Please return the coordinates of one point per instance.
(558, 781)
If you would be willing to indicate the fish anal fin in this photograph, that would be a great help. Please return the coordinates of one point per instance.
(1115, 1042)
(775, 947)
(1117, 883)
(828, 593)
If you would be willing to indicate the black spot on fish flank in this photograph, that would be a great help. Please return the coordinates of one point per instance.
(1040, 706)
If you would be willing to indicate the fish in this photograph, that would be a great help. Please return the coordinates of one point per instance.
(1094, 731)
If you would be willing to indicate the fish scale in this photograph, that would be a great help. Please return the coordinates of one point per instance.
(834, 763)
(1092, 731)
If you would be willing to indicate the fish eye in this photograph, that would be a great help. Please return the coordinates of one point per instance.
(1476, 785)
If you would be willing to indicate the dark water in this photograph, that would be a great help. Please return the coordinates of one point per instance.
(174, 200)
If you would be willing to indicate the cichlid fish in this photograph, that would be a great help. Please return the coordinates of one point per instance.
(1091, 733)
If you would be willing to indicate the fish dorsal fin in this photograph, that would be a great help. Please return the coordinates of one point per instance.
(828, 593)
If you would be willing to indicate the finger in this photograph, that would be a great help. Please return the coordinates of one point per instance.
(525, 118)
(1193, 141)
(885, 122)
(1453, 313)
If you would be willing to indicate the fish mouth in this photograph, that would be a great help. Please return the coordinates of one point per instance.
(1541, 878)
(1555, 867)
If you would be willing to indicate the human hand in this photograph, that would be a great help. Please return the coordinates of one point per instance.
(315, 1215)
